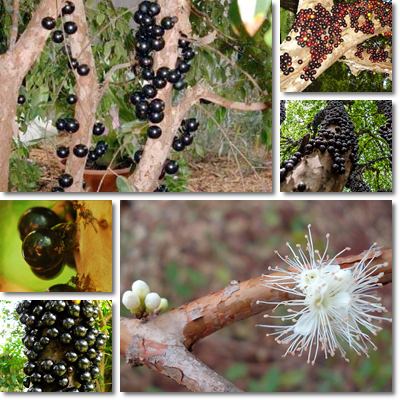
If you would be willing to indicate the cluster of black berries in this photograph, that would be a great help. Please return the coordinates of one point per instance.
(63, 345)
(335, 136)
(321, 30)
(375, 54)
(47, 241)
(148, 107)
(282, 111)
(385, 108)
(356, 183)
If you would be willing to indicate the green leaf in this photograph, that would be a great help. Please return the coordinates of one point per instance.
(123, 185)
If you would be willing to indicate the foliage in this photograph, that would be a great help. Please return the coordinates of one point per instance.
(374, 152)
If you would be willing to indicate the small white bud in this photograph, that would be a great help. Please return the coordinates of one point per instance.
(141, 288)
(152, 302)
(131, 301)
(163, 305)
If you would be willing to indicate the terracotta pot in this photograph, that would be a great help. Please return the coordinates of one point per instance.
(103, 180)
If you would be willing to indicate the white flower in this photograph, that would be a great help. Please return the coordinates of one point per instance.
(141, 288)
(131, 301)
(163, 305)
(330, 308)
(152, 302)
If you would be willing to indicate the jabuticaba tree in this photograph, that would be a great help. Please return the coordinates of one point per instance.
(340, 146)
(324, 32)
(63, 345)
(162, 51)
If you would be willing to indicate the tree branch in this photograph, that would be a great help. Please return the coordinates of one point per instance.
(15, 22)
(163, 343)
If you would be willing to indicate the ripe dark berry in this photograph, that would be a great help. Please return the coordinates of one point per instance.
(71, 356)
(154, 132)
(174, 76)
(148, 74)
(83, 70)
(157, 44)
(191, 125)
(81, 345)
(65, 180)
(154, 9)
(57, 37)
(81, 150)
(183, 66)
(61, 124)
(70, 27)
(84, 363)
(59, 369)
(66, 338)
(136, 97)
(98, 129)
(43, 250)
(72, 99)
(73, 63)
(71, 125)
(169, 22)
(178, 145)
(146, 62)
(157, 31)
(183, 42)
(159, 83)
(36, 218)
(68, 9)
(171, 167)
(21, 99)
(149, 91)
(57, 189)
(187, 139)
(188, 54)
(80, 331)
(157, 105)
(163, 72)
(141, 115)
(143, 47)
(48, 23)
(156, 117)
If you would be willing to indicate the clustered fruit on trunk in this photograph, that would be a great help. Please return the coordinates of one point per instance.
(148, 107)
(63, 345)
(282, 111)
(334, 133)
(320, 30)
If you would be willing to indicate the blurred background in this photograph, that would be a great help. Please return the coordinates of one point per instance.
(15, 273)
(187, 249)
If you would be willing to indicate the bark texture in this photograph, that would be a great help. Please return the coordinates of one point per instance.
(164, 343)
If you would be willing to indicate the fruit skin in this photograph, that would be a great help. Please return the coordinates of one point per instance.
(72, 99)
(156, 117)
(70, 27)
(157, 105)
(187, 139)
(83, 70)
(65, 180)
(154, 132)
(36, 218)
(174, 76)
(68, 9)
(57, 189)
(136, 97)
(72, 125)
(168, 22)
(21, 99)
(138, 156)
(48, 23)
(178, 145)
(80, 150)
(57, 37)
(171, 167)
(149, 91)
(159, 83)
(98, 129)
(180, 85)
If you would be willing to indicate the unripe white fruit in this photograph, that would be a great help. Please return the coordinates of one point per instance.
(152, 302)
(163, 305)
(131, 301)
(141, 288)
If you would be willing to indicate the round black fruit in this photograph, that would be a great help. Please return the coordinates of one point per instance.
(61, 124)
(154, 9)
(70, 27)
(81, 150)
(65, 180)
(159, 83)
(154, 132)
(156, 117)
(180, 85)
(56, 189)
(72, 125)
(36, 218)
(69, 8)
(57, 37)
(135, 97)
(174, 76)
(163, 72)
(169, 22)
(157, 44)
(62, 151)
(187, 139)
(48, 23)
(157, 105)
(138, 156)
(149, 91)
(171, 167)
(43, 249)
(83, 70)
(188, 54)
(98, 129)
(178, 145)
(21, 99)
(72, 99)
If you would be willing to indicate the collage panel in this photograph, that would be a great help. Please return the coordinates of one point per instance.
(56, 246)
(336, 146)
(133, 96)
(336, 46)
(202, 311)
(55, 346)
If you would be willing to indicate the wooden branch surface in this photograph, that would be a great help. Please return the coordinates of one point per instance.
(151, 342)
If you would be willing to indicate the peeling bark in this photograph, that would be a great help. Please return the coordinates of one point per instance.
(163, 343)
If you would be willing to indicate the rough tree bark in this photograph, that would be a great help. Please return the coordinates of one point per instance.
(164, 342)
(293, 82)
(14, 65)
(146, 176)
